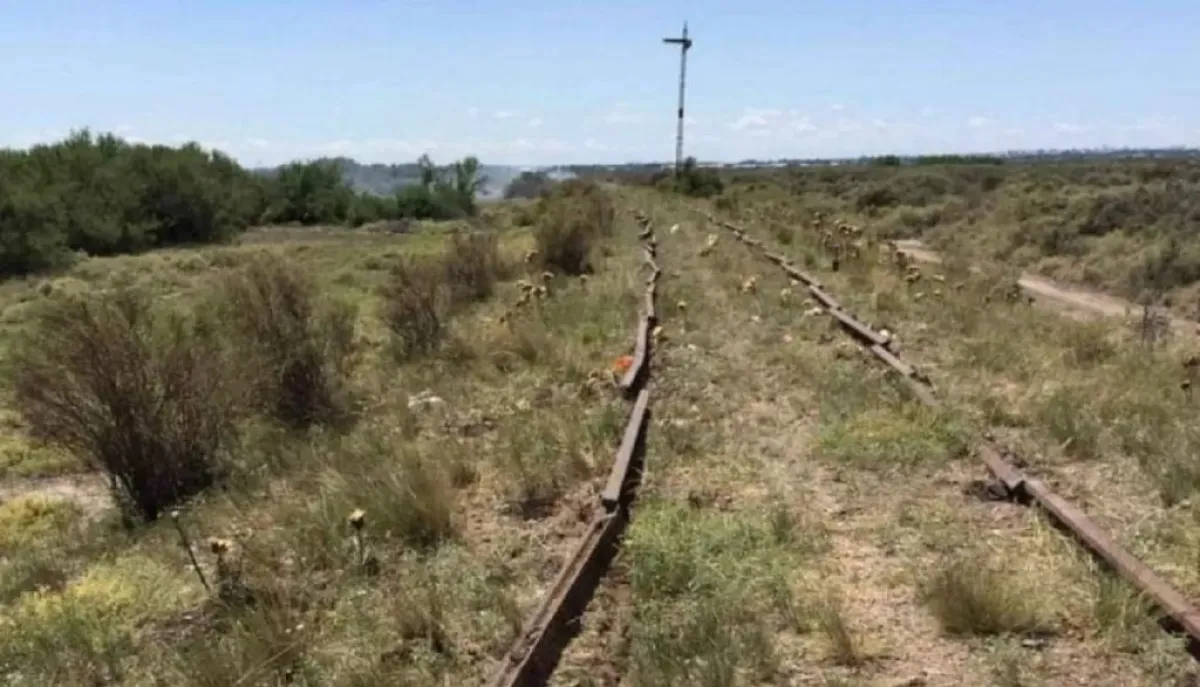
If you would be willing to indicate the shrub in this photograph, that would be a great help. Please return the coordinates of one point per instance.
(135, 392)
(295, 348)
(102, 195)
(368, 208)
(528, 185)
(447, 193)
(412, 308)
(698, 182)
(471, 266)
(569, 222)
(309, 193)
(421, 202)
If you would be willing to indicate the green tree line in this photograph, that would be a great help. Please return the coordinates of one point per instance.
(100, 195)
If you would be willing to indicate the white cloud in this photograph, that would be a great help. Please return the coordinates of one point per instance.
(534, 123)
(339, 147)
(756, 119)
(505, 114)
(1068, 128)
(748, 121)
(802, 125)
(593, 144)
(845, 126)
(1150, 124)
(473, 112)
(837, 107)
(622, 113)
(768, 112)
(978, 122)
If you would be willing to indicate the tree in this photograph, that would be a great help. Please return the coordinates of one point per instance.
(428, 172)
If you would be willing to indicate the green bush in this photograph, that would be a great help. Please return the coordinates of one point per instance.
(309, 193)
(691, 180)
(102, 196)
(528, 185)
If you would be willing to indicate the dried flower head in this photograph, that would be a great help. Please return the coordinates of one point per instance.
(357, 519)
(219, 546)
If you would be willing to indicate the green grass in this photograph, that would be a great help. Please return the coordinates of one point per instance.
(710, 590)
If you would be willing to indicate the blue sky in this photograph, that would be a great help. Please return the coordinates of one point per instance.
(535, 81)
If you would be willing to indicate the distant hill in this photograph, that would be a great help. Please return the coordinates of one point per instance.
(382, 179)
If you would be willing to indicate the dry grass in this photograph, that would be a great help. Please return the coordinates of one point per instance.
(933, 584)
(971, 594)
(472, 458)
(802, 521)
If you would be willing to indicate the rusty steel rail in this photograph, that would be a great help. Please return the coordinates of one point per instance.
(535, 653)
(1181, 616)
(876, 342)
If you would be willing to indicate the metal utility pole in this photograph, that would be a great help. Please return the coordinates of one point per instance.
(684, 43)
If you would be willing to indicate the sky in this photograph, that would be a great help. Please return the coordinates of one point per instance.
(534, 82)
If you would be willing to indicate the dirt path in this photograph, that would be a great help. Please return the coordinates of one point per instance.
(1041, 287)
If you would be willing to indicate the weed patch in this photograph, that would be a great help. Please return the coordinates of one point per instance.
(708, 587)
(971, 594)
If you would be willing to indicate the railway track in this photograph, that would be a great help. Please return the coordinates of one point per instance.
(1179, 615)
(545, 634)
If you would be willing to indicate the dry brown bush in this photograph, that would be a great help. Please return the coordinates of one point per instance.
(294, 347)
(471, 266)
(569, 223)
(136, 392)
(413, 308)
